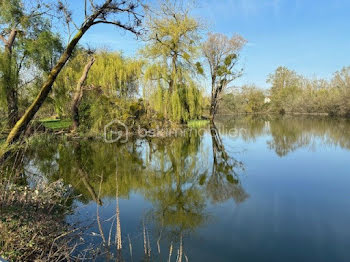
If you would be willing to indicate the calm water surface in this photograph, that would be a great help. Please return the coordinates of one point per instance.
(254, 189)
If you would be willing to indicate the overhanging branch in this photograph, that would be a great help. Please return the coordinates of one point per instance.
(119, 24)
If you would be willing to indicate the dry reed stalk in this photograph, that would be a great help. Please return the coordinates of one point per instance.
(170, 251)
(130, 248)
(98, 214)
(118, 233)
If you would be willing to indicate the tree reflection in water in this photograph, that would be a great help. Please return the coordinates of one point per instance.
(224, 182)
(173, 174)
(170, 173)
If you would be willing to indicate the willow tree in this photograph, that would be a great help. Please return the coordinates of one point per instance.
(114, 80)
(109, 12)
(107, 93)
(117, 75)
(222, 55)
(66, 82)
(172, 47)
(27, 41)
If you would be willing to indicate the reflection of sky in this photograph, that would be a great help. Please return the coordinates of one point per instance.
(298, 207)
(311, 37)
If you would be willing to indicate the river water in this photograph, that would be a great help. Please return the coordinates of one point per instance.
(252, 189)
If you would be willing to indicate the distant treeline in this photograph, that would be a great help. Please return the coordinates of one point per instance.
(293, 93)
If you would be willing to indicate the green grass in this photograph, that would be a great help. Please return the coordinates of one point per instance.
(49, 119)
(197, 123)
(56, 123)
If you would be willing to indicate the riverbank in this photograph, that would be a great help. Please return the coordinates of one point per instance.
(32, 226)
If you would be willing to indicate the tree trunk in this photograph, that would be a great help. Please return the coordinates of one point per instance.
(212, 113)
(215, 94)
(10, 82)
(172, 81)
(23, 122)
(83, 175)
(213, 99)
(79, 94)
(12, 105)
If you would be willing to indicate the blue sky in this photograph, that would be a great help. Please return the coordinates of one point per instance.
(311, 37)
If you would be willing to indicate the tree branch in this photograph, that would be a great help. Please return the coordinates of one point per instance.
(119, 24)
(2, 38)
(12, 38)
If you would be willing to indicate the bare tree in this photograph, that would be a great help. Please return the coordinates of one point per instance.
(222, 54)
(110, 12)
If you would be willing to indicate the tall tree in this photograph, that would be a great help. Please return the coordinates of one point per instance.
(105, 13)
(341, 79)
(11, 15)
(282, 78)
(284, 87)
(222, 55)
(172, 48)
(21, 25)
(172, 36)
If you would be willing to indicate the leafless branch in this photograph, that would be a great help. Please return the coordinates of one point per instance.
(119, 24)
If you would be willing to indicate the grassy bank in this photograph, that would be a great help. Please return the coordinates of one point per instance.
(56, 124)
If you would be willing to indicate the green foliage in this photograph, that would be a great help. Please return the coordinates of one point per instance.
(229, 59)
(172, 50)
(285, 86)
(178, 199)
(44, 50)
(11, 12)
(31, 54)
(254, 99)
(197, 123)
(199, 68)
(184, 104)
(2, 85)
(249, 99)
(116, 74)
(293, 93)
(112, 78)
(8, 75)
(172, 32)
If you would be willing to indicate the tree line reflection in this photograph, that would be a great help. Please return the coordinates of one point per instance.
(289, 133)
(178, 176)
